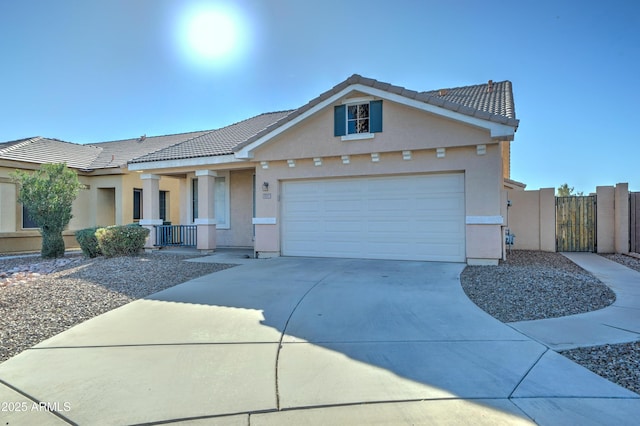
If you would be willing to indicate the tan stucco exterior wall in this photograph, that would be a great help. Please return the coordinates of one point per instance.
(506, 159)
(531, 218)
(605, 217)
(404, 128)
(240, 232)
(622, 218)
(483, 180)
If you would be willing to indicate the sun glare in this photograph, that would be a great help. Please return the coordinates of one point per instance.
(212, 36)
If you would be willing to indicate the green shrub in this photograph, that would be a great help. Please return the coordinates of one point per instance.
(121, 240)
(88, 242)
(47, 195)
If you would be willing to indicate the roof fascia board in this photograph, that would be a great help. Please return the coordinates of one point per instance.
(498, 131)
(185, 162)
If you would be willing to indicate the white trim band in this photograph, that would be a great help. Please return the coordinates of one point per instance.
(150, 222)
(205, 221)
(485, 220)
(149, 176)
(360, 100)
(263, 221)
(357, 136)
(206, 173)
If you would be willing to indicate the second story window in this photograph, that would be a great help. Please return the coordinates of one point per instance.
(357, 119)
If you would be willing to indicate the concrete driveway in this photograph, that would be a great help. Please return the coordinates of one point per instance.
(319, 341)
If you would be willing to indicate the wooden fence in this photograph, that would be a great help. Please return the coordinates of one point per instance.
(576, 223)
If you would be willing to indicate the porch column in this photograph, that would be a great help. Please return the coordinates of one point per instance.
(206, 221)
(150, 206)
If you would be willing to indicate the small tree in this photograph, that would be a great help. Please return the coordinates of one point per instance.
(565, 190)
(47, 194)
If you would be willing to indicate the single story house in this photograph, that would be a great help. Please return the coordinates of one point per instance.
(365, 170)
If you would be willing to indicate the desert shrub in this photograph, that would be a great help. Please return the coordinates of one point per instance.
(48, 195)
(121, 240)
(88, 242)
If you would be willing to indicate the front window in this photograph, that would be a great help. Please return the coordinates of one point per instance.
(27, 221)
(163, 205)
(194, 199)
(358, 118)
(137, 204)
(221, 204)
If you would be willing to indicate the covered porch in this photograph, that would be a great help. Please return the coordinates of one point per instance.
(212, 208)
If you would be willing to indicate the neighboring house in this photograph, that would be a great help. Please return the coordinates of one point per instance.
(365, 170)
(109, 195)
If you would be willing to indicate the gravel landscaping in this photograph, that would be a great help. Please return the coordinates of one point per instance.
(41, 298)
(534, 285)
(619, 363)
(628, 261)
(537, 285)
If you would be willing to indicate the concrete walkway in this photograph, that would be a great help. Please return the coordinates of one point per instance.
(292, 341)
(618, 323)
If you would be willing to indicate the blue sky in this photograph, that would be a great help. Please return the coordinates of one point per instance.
(91, 71)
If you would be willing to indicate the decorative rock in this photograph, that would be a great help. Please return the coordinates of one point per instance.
(52, 296)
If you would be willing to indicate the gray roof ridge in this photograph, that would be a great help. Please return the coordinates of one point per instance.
(148, 137)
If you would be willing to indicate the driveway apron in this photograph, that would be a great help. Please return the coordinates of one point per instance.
(292, 340)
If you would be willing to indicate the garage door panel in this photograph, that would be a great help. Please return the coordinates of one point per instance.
(432, 203)
(343, 206)
(334, 229)
(310, 207)
(418, 217)
(346, 189)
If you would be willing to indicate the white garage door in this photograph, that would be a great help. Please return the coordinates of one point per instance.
(417, 217)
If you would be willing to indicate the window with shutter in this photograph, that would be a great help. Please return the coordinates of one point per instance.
(358, 120)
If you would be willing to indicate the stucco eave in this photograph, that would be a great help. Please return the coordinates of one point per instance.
(186, 162)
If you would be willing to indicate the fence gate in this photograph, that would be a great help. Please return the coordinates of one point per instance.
(576, 223)
(634, 222)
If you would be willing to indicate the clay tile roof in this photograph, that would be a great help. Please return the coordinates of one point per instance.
(497, 100)
(494, 98)
(118, 153)
(41, 150)
(216, 142)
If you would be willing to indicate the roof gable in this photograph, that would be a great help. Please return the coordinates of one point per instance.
(488, 106)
